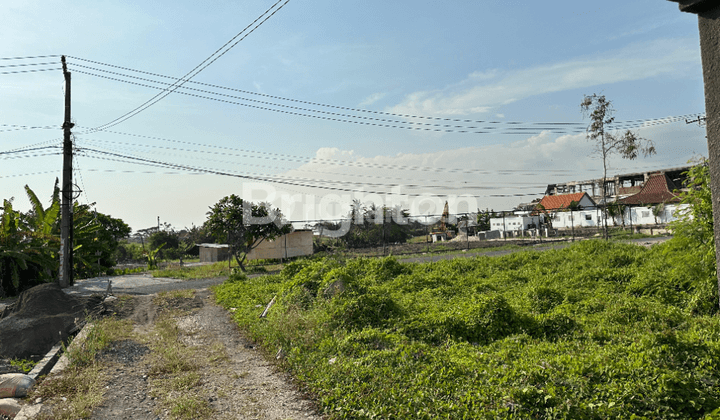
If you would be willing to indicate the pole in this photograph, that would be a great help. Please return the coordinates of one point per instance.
(66, 234)
(504, 228)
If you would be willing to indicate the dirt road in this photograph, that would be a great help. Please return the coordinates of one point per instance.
(232, 379)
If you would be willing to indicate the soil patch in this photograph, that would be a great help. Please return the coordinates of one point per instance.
(235, 379)
(42, 316)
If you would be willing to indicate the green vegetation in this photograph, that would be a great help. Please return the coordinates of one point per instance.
(30, 242)
(175, 367)
(23, 364)
(595, 330)
(244, 225)
(81, 387)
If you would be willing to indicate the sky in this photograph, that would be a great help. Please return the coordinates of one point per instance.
(400, 103)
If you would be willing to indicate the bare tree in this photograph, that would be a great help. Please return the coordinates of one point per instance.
(608, 142)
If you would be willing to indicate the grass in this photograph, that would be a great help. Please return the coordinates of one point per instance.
(23, 364)
(218, 269)
(81, 387)
(175, 369)
(595, 330)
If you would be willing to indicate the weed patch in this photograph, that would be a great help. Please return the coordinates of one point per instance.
(595, 330)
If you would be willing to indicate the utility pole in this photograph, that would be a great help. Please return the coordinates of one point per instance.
(66, 223)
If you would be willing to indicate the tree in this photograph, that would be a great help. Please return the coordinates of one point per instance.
(617, 209)
(244, 225)
(96, 238)
(483, 219)
(608, 142)
(375, 226)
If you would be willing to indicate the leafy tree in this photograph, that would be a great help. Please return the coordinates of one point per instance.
(170, 242)
(657, 211)
(96, 239)
(617, 209)
(28, 248)
(244, 225)
(608, 142)
(483, 219)
(377, 225)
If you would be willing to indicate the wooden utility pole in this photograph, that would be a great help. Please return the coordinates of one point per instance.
(66, 223)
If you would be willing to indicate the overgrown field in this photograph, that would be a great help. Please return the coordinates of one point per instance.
(597, 330)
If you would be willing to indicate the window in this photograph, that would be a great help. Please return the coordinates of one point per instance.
(588, 217)
(646, 214)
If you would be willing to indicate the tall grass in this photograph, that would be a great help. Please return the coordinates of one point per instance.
(596, 330)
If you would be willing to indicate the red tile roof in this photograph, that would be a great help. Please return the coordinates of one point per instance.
(657, 189)
(554, 202)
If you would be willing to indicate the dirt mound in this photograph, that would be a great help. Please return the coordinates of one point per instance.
(42, 316)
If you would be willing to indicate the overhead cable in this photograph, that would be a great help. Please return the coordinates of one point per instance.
(29, 57)
(535, 125)
(277, 181)
(199, 68)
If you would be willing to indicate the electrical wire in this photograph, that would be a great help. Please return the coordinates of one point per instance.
(278, 181)
(333, 114)
(16, 127)
(199, 68)
(244, 164)
(579, 126)
(301, 159)
(405, 125)
(29, 174)
(29, 57)
(30, 71)
(27, 150)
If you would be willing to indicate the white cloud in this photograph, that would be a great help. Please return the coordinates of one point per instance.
(482, 92)
(491, 174)
(372, 99)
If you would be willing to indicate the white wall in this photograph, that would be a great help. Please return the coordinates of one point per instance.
(580, 218)
(513, 223)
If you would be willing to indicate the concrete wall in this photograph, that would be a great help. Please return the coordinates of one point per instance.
(581, 218)
(294, 244)
(513, 222)
(639, 215)
(213, 254)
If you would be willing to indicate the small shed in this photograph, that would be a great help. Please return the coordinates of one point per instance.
(214, 252)
(294, 244)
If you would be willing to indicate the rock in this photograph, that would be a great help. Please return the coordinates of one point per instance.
(334, 289)
(41, 316)
(9, 407)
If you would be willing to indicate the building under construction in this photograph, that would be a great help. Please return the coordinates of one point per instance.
(618, 187)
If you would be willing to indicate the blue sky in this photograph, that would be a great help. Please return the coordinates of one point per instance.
(492, 61)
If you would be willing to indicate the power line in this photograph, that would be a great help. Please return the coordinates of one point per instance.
(405, 125)
(582, 125)
(365, 176)
(199, 68)
(302, 159)
(30, 71)
(280, 181)
(27, 150)
(30, 174)
(16, 127)
(27, 64)
(29, 57)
